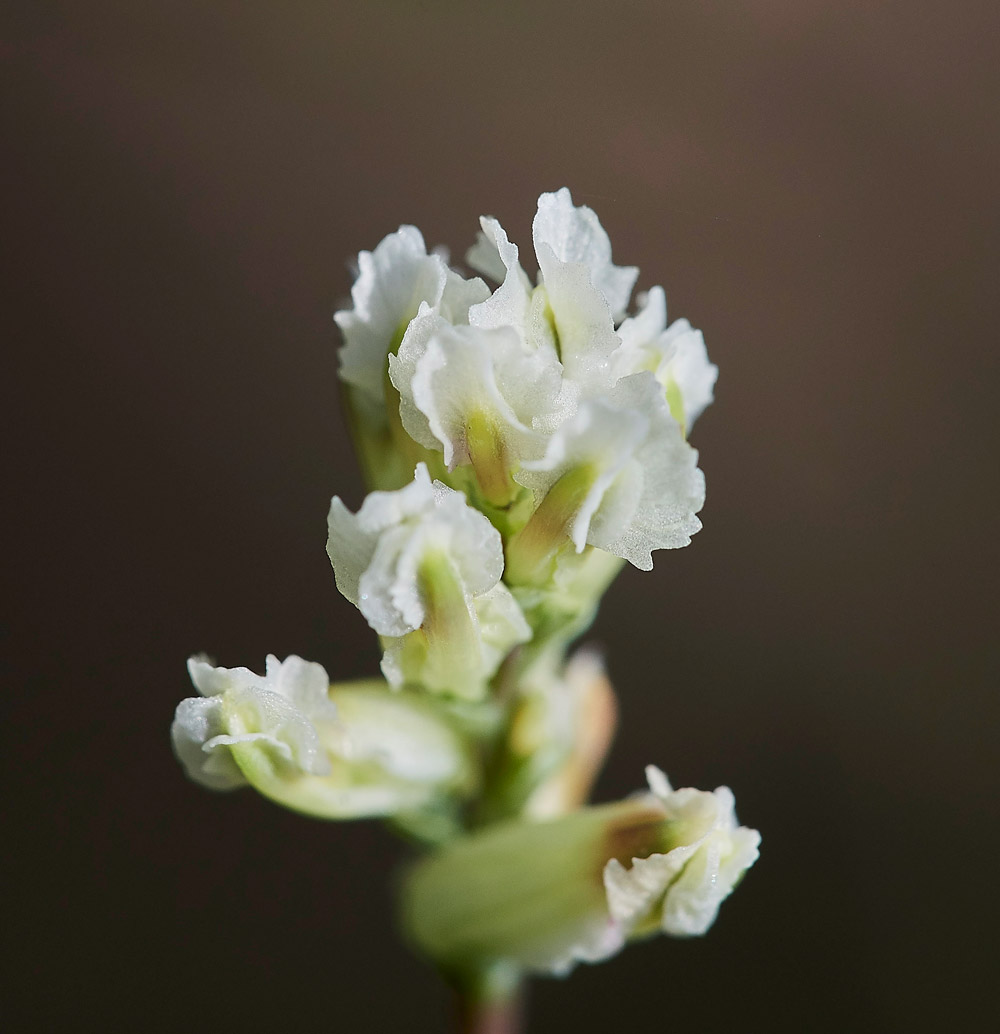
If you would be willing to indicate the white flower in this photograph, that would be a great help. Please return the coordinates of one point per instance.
(574, 236)
(277, 710)
(495, 256)
(680, 890)
(531, 891)
(476, 394)
(636, 483)
(377, 552)
(580, 294)
(345, 751)
(539, 379)
(393, 280)
(675, 354)
(421, 560)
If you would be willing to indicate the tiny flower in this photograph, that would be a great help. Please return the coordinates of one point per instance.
(574, 235)
(476, 394)
(423, 566)
(393, 281)
(278, 710)
(675, 354)
(496, 257)
(345, 751)
(546, 895)
(680, 890)
(618, 475)
(580, 294)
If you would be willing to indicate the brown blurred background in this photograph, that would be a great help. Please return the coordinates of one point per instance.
(815, 184)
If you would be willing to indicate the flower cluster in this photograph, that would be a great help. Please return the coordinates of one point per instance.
(521, 442)
(544, 399)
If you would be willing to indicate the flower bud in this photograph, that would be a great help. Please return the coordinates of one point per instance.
(570, 723)
(560, 730)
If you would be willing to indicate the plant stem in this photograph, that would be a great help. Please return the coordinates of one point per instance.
(491, 1002)
(497, 1017)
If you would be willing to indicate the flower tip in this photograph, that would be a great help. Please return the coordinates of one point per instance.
(659, 784)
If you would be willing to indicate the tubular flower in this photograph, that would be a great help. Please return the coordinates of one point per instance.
(551, 894)
(393, 281)
(675, 354)
(424, 568)
(679, 889)
(476, 395)
(343, 751)
(619, 475)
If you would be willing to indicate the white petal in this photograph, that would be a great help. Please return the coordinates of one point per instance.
(197, 721)
(606, 437)
(393, 280)
(508, 305)
(633, 893)
(476, 548)
(575, 235)
(210, 680)
(530, 380)
(304, 684)
(501, 623)
(403, 368)
(685, 362)
(672, 490)
(389, 596)
(640, 330)
(353, 537)
(377, 553)
(583, 321)
(484, 256)
(693, 901)
(467, 372)
(676, 354)
(659, 784)
(270, 719)
(459, 296)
